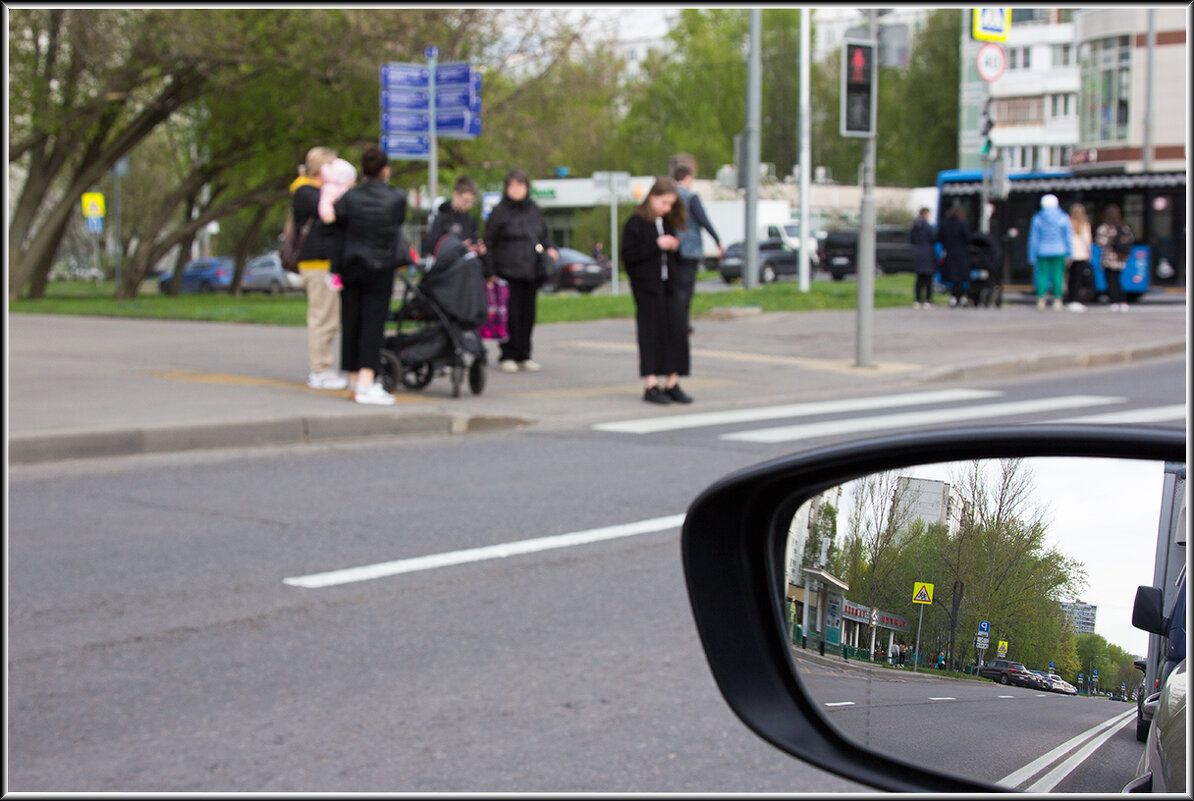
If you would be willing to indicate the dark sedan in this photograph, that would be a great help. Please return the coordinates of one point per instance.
(576, 270)
(893, 251)
(774, 260)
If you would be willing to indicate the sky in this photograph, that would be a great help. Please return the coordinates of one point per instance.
(1105, 514)
(629, 22)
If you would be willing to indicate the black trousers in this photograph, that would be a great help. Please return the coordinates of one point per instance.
(1115, 290)
(924, 287)
(520, 320)
(364, 305)
(1081, 278)
(661, 320)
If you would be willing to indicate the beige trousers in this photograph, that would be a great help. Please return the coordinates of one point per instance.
(323, 314)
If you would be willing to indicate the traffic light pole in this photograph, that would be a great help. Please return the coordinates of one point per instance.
(866, 234)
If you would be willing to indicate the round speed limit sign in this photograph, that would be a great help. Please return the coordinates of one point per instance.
(991, 62)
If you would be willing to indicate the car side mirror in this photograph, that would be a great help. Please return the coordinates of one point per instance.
(798, 614)
(1148, 610)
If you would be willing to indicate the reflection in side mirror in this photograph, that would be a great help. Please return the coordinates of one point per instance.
(977, 616)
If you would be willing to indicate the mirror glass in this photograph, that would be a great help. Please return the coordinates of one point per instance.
(976, 617)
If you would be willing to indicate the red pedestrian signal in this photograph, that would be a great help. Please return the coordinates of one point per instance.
(858, 99)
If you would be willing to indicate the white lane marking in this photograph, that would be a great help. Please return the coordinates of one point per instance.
(1155, 414)
(942, 698)
(1037, 765)
(652, 425)
(432, 561)
(1054, 777)
(1007, 696)
(912, 419)
(840, 703)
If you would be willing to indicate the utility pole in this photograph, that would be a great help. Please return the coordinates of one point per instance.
(754, 69)
(805, 131)
(866, 228)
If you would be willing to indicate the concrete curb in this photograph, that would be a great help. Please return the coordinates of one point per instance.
(36, 448)
(1041, 362)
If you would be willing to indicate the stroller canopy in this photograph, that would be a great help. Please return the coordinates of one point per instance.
(456, 283)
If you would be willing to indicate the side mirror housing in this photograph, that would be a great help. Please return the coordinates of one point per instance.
(1147, 611)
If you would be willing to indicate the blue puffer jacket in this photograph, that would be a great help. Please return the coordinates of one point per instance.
(1050, 234)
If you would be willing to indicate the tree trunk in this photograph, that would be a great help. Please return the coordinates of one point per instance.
(959, 588)
(242, 248)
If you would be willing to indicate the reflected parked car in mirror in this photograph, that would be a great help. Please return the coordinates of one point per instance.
(831, 543)
(266, 274)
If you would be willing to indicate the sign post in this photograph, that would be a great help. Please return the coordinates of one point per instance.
(93, 212)
(921, 594)
(618, 182)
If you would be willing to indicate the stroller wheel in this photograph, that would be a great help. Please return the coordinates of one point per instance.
(390, 370)
(457, 379)
(476, 376)
(417, 376)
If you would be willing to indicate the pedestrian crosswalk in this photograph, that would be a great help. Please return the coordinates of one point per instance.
(848, 416)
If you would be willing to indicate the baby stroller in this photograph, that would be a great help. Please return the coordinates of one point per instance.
(435, 328)
(985, 262)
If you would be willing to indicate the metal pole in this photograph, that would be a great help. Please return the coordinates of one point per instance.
(918, 624)
(866, 232)
(754, 69)
(433, 156)
(805, 130)
(118, 249)
(613, 236)
(1148, 93)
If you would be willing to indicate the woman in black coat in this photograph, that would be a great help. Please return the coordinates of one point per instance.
(954, 236)
(515, 227)
(650, 251)
(924, 259)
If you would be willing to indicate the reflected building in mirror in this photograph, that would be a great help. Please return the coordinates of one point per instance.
(932, 501)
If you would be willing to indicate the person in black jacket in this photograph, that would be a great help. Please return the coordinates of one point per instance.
(924, 259)
(651, 253)
(954, 237)
(455, 217)
(371, 216)
(516, 226)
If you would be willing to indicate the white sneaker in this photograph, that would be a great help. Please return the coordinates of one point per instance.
(1123, 307)
(1075, 306)
(327, 380)
(375, 395)
(1057, 304)
(1040, 303)
(530, 366)
(508, 366)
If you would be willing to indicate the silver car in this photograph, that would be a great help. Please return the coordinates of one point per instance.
(265, 274)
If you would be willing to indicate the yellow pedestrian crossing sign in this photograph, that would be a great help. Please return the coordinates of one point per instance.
(922, 593)
(93, 204)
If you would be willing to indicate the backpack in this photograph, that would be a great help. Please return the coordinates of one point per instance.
(1123, 240)
(292, 242)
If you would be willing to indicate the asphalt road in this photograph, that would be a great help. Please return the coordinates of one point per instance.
(165, 633)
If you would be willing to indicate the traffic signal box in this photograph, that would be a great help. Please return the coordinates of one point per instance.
(859, 71)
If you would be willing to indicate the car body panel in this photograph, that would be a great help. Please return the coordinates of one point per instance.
(201, 275)
(1162, 767)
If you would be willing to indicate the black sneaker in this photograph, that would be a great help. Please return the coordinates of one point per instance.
(656, 395)
(678, 395)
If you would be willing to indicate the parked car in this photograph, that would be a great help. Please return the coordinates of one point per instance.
(576, 270)
(1162, 767)
(1005, 671)
(1060, 685)
(790, 234)
(774, 260)
(266, 274)
(893, 251)
(201, 275)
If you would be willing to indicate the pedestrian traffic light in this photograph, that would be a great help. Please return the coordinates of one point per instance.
(859, 86)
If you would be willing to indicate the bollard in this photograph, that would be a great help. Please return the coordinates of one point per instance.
(822, 646)
(845, 655)
(804, 642)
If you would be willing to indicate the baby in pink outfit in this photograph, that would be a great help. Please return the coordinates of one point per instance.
(336, 177)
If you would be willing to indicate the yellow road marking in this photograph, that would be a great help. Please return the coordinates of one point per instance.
(197, 377)
(823, 365)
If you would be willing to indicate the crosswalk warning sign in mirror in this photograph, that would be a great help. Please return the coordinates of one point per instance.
(922, 593)
(93, 204)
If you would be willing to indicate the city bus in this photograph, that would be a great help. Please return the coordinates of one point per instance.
(1153, 204)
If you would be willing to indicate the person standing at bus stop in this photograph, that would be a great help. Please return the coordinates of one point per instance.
(924, 259)
(954, 236)
(1114, 239)
(1080, 277)
(1050, 239)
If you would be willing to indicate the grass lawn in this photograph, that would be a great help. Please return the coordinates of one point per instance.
(80, 298)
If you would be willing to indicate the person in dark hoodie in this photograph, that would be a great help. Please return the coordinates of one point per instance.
(515, 229)
(455, 217)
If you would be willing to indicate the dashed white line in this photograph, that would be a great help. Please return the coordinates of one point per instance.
(942, 698)
(840, 703)
(432, 561)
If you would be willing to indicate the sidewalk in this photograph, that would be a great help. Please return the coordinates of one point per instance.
(91, 387)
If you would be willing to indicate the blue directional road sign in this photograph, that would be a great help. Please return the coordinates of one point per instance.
(413, 76)
(455, 72)
(407, 147)
(1052, 667)
(984, 626)
(95, 225)
(408, 99)
(405, 122)
(457, 125)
